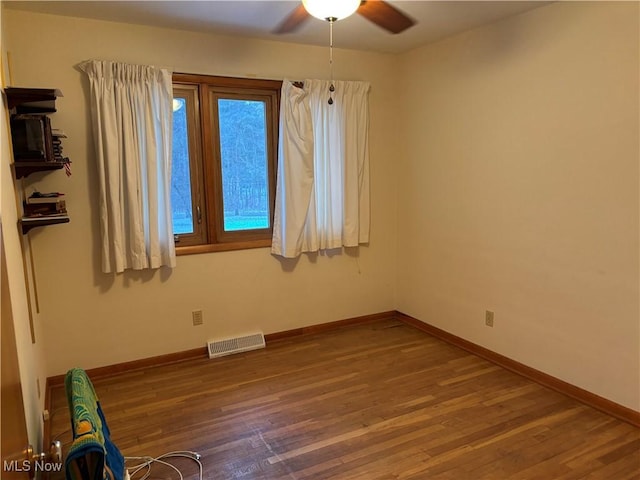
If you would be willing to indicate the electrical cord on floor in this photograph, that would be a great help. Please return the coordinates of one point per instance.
(148, 461)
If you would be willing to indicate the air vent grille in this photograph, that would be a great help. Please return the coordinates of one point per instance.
(219, 348)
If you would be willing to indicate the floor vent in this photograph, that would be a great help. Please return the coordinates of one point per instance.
(218, 348)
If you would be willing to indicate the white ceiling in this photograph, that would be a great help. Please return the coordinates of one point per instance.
(435, 19)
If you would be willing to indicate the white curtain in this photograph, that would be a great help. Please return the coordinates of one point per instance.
(131, 107)
(322, 194)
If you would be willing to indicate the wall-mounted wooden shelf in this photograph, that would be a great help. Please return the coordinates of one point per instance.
(29, 108)
(27, 223)
(32, 100)
(24, 169)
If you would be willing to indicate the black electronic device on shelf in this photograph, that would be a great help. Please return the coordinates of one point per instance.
(31, 138)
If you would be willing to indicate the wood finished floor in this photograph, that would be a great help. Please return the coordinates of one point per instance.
(371, 402)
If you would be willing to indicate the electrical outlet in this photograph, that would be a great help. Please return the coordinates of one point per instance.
(196, 316)
(488, 318)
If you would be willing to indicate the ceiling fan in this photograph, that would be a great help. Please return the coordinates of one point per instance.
(379, 12)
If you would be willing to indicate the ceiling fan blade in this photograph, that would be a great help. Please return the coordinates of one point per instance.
(293, 21)
(385, 15)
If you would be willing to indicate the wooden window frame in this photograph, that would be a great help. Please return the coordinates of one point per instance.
(194, 131)
(205, 160)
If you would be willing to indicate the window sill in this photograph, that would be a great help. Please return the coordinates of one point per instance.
(222, 247)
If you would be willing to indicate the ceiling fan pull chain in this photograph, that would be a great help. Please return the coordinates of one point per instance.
(331, 87)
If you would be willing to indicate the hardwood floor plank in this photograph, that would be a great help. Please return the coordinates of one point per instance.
(375, 401)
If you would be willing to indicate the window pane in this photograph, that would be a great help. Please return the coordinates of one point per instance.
(181, 205)
(243, 149)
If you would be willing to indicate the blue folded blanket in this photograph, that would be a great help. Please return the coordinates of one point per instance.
(92, 455)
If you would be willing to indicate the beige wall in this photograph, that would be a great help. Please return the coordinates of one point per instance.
(518, 192)
(91, 319)
(514, 152)
(30, 355)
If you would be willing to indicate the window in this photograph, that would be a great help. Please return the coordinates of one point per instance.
(225, 137)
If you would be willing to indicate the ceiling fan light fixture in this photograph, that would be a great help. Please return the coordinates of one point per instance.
(331, 10)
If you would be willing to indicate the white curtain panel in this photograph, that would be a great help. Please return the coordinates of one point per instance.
(131, 107)
(322, 194)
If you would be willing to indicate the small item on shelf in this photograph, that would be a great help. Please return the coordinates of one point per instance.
(34, 139)
(31, 137)
(42, 206)
(49, 208)
(39, 197)
(56, 132)
(56, 142)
